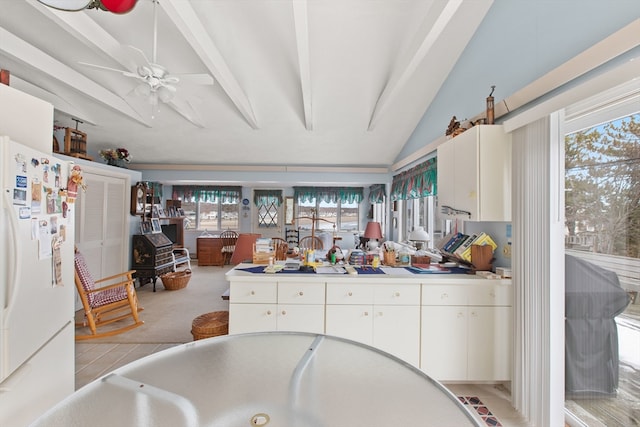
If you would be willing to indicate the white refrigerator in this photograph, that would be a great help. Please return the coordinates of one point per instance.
(36, 284)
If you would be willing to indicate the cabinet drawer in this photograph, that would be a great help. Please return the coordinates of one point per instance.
(396, 294)
(349, 294)
(296, 293)
(490, 294)
(444, 295)
(251, 292)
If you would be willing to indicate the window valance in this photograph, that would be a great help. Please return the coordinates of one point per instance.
(329, 194)
(377, 193)
(419, 181)
(207, 193)
(267, 197)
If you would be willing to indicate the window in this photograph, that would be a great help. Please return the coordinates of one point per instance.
(414, 191)
(602, 226)
(268, 203)
(210, 208)
(339, 206)
(378, 200)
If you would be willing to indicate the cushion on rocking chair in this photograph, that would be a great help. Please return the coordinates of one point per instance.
(88, 283)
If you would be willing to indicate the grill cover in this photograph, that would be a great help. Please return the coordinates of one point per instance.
(593, 298)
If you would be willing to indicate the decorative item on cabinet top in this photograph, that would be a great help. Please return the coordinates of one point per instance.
(74, 141)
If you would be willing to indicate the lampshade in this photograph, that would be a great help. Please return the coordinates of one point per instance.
(419, 235)
(373, 230)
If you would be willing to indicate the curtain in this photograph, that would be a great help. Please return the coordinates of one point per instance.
(419, 181)
(267, 197)
(377, 193)
(207, 193)
(329, 194)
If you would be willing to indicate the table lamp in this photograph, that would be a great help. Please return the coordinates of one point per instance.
(373, 232)
(419, 236)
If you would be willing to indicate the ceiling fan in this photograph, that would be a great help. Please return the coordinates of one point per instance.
(155, 81)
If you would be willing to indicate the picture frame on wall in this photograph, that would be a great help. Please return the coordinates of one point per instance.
(155, 225)
(146, 227)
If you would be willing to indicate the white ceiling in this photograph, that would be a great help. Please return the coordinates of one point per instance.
(305, 83)
(302, 82)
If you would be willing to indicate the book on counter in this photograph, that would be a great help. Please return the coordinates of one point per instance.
(263, 244)
(465, 245)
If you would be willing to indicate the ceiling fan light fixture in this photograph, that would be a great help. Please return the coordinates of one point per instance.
(153, 98)
(143, 89)
(166, 93)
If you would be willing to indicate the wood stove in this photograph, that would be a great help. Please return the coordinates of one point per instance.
(152, 256)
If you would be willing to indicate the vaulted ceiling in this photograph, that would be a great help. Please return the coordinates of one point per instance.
(296, 82)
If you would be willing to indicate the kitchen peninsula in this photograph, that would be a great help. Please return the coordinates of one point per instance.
(455, 327)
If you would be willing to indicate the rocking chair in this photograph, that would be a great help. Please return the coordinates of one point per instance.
(107, 304)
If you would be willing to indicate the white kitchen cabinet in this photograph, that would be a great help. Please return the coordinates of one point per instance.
(271, 306)
(466, 332)
(454, 327)
(386, 316)
(300, 307)
(444, 342)
(474, 173)
(489, 340)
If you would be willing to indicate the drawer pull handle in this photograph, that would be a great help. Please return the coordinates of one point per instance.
(443, 296)
(397, 294)
(350, 294)
(284, 313)
(366, 313)
(268, 312)
(300, 293)
(380, 313)
(253, 293)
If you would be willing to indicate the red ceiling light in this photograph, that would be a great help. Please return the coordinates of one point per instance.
(115, 6)
(119, 6)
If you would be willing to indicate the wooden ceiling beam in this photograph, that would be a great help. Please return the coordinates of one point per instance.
(41, 62)
(301, 23)
(186, 20)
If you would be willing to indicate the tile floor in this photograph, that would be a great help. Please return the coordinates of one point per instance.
(489, 403)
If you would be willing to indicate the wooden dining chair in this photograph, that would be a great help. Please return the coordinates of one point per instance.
(229, 240)
(311, 242)
(117, 300)
(281, 249)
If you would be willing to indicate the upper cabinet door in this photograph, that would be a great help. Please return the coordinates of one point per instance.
(474, 173)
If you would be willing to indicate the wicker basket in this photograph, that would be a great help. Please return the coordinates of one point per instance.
(210, 325)
(176, 280)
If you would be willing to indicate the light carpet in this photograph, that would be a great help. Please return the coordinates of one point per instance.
(168, 315)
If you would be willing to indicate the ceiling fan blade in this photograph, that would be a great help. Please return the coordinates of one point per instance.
(186, 110)
(133, 58)
(123, 72)
(198, 79)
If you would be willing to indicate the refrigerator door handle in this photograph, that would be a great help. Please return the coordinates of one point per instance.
(14, 260)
